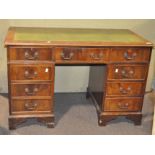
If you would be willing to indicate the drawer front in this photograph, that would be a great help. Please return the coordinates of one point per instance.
(123, 104)
(123, 71)
(28, 54)
(67, 55)
(31, 72)
(31, 90)
(95, 55)
(130, 55)
(73, 54)
(125, 88)
(31, 106)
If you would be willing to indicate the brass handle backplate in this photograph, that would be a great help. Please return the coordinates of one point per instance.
(67, 56)
(29, 56)
(31, 92)
(123, 105)
(127, 74)
(129, 57)
(29, 75)
(96, 56)
(125, 91)
(30, 106)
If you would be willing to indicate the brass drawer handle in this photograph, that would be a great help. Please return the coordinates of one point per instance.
(28, 56)
(96, 56)
(30, 76)
(125, 91)
(123, 106)
(127, 74)
(67, 57)
(30, 106)
(129, 57)
(33, 92)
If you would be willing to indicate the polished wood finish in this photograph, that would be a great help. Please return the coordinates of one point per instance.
(31, 72)
(123, 104)
(130, 55)
(31, 54)
(118, 59)
(80, 55)
(127, 71)
(30, 106)
(125, 88)
(16, 120)
(107, 117)
(28, 89)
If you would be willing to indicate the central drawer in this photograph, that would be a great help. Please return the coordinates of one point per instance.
(31, 106)
(31, 89)
(31, 72)
(75, 55)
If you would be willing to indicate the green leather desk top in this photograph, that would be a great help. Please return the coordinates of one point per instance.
(70, 36)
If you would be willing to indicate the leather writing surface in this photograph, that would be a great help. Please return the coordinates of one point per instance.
(64, 34)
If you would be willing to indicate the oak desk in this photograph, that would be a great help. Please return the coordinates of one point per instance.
(118, 59)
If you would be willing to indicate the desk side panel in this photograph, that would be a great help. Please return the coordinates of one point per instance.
(97, 81)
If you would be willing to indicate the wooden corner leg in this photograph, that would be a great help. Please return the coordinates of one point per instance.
(13, 122)
(104, 119)
(49, 121)
(136, 118)
(50, 125)
(12, 125)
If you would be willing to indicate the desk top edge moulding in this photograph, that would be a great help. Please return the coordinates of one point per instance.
(116, 84)
(73, 37)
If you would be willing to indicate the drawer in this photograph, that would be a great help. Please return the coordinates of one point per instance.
(127, 71)
(65, 54)
(31, 72)
(28, 54)
(130, 54)
(95, 54)
(123, 104)
(31, 89)
(31, 106)
(73, 54)
(125, 88)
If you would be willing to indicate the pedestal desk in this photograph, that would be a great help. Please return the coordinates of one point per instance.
(118, 58)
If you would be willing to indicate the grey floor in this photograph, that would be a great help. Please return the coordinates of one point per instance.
(77, 116)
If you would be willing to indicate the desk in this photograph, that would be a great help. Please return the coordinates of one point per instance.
(118, 59)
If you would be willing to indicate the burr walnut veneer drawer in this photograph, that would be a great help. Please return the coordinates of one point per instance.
(31, 89)
(127, 71)
(123, 104)
(73, 54)
(35, 54)
(31, 72)
(129, 54)
(125, 89)
(96, 54)
(32, 106)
